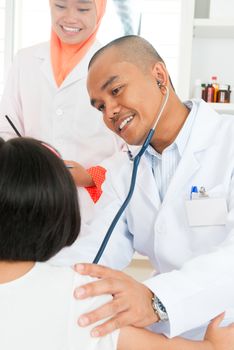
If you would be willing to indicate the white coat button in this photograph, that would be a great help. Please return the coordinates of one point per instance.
(59, 112)
(160, 228)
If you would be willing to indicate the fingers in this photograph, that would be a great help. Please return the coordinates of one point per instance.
(103, 286)
(217, 320)
(98, 271)
(112, 308)
(131, 303)
(110, 326)
(80, 175)
(70, 163)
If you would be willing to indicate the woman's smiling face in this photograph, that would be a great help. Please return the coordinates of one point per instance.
(73, 20)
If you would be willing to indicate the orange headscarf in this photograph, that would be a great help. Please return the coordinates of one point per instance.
(64, 57)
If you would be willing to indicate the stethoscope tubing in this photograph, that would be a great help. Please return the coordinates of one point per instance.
(136, 162)
(114, 222)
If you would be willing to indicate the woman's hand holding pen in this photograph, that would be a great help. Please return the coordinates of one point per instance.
(80, 175)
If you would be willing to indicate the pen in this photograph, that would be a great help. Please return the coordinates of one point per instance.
(68, 166)
(13, 126)
(193, 190)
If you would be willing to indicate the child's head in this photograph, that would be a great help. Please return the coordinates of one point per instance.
(39, 211)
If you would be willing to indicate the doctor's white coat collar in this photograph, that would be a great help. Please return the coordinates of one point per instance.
(205, 127)
(182, 138)
(79, 72)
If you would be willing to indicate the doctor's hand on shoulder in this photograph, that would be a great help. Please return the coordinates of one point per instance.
(131, 303)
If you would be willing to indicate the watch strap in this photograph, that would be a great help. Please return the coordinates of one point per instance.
(159, 308)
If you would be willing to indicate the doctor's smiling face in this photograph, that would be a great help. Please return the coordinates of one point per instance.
(73, 20)
(126, 92)
(127, 82)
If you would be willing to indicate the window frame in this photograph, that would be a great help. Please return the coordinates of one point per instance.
(9, 29)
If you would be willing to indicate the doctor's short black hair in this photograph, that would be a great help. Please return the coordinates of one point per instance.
(39, 210)
(134, 49)
(131, 48)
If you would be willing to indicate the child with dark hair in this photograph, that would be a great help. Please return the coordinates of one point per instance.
(39, 211)
(39, 215)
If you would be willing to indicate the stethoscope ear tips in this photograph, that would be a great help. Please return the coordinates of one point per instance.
(159, 83)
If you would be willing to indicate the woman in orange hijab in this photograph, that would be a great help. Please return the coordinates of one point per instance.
(74, 27)
(72, 36)
(46, 97)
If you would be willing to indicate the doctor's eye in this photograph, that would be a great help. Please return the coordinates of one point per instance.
(116, 90)
(101, 107)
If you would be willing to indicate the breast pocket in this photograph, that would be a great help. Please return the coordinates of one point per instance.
(210, 210)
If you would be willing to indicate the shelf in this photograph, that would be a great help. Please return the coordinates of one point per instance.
(227, 108)
(138, 256)
(213, 28)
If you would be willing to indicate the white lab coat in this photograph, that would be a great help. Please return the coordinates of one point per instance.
(195, 265)
(62, 116)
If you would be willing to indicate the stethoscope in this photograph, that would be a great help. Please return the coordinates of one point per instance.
(136, 161)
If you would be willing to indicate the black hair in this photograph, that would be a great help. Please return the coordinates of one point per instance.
(134, 49)
(39, 211)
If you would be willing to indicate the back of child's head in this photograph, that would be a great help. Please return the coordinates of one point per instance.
(39, 211)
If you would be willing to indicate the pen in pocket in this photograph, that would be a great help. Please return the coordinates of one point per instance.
(193, 191)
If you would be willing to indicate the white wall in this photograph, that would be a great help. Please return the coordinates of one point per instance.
(2, 42)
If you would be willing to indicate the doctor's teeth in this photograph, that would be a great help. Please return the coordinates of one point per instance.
(125, 121)
(70, 29)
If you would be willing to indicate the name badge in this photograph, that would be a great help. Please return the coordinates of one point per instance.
(206, 211)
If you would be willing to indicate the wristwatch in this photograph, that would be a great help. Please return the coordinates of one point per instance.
(159, 309)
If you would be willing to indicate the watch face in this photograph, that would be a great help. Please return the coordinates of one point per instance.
(160, 309)
(161, 306)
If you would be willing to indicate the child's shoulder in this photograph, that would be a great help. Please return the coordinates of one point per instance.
(63, 273)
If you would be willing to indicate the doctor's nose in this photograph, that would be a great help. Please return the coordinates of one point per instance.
(113, 112)
(115, 116)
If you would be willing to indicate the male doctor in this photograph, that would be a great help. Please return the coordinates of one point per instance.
(181, 214)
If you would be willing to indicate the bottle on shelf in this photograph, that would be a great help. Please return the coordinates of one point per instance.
(204, 92)
(214, 82)
(197, 91)
(210, 93)
(224, 94)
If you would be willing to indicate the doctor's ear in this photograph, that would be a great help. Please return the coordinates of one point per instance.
(162, 86)
(160, 74)
(159, 83)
